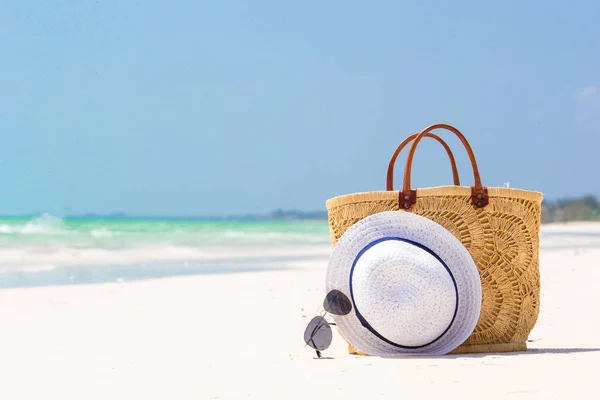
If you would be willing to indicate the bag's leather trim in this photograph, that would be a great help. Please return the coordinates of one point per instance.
(407, 199)
(479, 197)
(390, 171)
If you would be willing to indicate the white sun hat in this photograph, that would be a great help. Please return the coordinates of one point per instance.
(414, 287)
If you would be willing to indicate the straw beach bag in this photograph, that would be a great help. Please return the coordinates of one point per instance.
(498, 226)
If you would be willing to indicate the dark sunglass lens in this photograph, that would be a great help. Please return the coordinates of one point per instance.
(318, 334)
(337, 303)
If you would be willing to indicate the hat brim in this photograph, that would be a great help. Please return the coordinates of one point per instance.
(418, 229)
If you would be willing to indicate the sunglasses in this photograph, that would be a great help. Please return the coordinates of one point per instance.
(318, 332)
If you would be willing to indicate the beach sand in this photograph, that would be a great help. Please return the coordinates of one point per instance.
(239, 336)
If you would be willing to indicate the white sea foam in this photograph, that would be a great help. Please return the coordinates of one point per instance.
(22, 258)
(571, 227)
(267, 237)
(101, 233)
(45, 224)
(39, 268)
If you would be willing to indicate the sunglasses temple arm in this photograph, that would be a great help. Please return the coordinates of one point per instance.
(317, 327)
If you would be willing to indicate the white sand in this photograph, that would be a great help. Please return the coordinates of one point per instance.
(239, 336)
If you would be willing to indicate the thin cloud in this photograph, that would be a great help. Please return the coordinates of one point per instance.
(538, 116)
(588, 109)
(587, 95)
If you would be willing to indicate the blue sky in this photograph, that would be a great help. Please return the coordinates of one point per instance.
(226, 107)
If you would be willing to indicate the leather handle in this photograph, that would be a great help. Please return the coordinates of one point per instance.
(408, 197)
(390, 171)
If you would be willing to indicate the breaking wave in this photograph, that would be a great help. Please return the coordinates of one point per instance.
(44, 224)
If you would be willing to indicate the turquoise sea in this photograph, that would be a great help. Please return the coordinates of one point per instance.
(48, 250)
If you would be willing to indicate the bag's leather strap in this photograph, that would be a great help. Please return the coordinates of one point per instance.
(408, 196)
(390, 171)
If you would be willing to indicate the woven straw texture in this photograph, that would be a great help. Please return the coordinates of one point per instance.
(502, 238)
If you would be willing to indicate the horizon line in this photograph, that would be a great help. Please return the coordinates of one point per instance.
(276, 214)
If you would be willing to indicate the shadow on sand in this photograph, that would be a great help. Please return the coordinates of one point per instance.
(557, 350)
